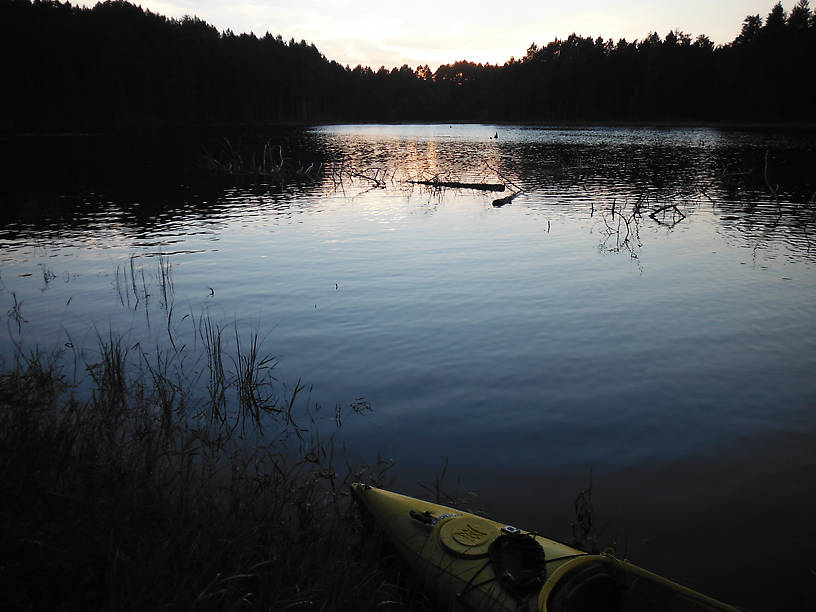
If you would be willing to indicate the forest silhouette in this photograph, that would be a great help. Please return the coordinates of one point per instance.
(115, 65)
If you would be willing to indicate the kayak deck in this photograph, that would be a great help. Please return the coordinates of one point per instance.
(475, 563)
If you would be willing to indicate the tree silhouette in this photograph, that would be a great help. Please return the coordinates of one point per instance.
(751, 29)
(117, 65)
(799, 18)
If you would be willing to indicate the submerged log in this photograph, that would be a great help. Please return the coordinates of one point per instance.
(506, 200)
(458, 185)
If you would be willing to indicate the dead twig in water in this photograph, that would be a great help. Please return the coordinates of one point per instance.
(663, 209)
(374, 179)
(774, 189)
(14, 314)
(501, 176)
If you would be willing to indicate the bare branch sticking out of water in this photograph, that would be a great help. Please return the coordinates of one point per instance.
(436, 491)
(374, 179)
(583, 527)
(498, 203)
(586, 533)
(14, 314)
(311, 170)
(625, 229)
(774, 189)
(501, 176)
(676, 215)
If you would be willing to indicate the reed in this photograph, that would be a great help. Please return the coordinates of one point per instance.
(165, 280)
(147, 494)
(243, 160)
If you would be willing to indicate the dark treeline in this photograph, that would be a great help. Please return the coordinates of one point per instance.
(67, 67)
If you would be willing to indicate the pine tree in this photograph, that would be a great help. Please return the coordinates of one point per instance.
(800, 17)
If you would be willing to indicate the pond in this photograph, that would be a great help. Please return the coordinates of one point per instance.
(640, 317)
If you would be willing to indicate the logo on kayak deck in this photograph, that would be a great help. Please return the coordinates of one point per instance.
(469, 535)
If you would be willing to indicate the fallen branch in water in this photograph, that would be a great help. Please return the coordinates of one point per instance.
(379, 184)
(458, 185)
(506, 200)
(663, 209)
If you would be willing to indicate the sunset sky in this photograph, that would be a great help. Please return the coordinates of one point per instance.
(433, 32)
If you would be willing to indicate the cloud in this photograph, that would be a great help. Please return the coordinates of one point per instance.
(432, 31)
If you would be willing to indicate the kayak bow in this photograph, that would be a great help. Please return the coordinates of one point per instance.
(476, 563)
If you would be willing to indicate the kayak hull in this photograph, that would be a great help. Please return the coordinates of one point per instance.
(474, 563)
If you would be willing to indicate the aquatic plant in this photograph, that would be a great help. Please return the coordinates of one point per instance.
(144, 494)
(244, 161)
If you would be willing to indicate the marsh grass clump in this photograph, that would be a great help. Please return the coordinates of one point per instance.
(140, 496)
(267, 162)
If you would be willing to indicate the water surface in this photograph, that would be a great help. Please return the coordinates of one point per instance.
(667, 355)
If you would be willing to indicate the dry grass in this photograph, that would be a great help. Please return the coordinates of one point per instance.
(138, 497)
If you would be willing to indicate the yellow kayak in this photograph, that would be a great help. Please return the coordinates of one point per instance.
(474, 563)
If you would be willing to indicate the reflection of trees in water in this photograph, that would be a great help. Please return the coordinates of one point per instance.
(769, 203)
(626, 185)
(145, 183)
(758, 204)
(770, 225)
(140, 183)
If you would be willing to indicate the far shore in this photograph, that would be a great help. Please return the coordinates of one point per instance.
(139, 126)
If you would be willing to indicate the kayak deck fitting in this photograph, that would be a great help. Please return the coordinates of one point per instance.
(473, 563)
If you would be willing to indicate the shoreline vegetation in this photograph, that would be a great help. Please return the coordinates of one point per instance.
(139, 497)
(183, 474)
(176, 472)
(129, 493)
(127, 67)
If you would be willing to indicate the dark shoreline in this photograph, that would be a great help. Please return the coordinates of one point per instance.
(125, 129)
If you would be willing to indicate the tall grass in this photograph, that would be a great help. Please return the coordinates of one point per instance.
(185, 476)
(144, 494)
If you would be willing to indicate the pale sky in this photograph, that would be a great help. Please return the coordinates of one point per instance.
(387, 33)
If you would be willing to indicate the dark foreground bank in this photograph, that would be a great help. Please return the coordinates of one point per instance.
(126, 501)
